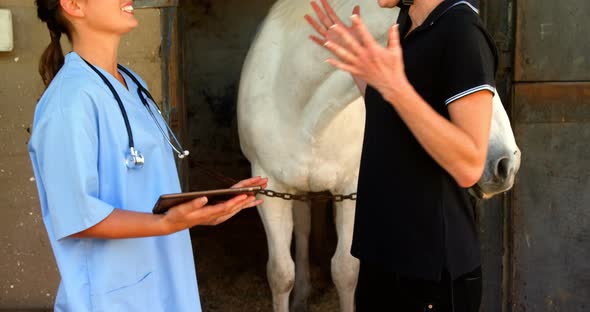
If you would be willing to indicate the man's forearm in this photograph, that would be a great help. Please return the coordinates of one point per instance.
(451, 147)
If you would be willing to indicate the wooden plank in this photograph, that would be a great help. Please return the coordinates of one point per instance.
(146, 4)
(552, 103)
(552, 41)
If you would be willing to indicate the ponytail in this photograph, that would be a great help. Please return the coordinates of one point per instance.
(52, 60)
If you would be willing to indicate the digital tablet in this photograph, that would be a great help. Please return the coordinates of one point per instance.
(168, 201)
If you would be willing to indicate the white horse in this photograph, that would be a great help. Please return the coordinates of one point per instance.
(301, 124)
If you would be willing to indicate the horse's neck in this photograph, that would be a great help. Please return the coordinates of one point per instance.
(327, 92)
(298, 8)
(311, 92)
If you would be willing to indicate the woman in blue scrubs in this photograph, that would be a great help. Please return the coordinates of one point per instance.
(112, 253)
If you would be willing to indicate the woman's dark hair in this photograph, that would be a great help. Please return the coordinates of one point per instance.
(50, 12)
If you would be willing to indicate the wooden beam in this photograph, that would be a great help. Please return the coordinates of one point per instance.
(145, 4)
(173, 87)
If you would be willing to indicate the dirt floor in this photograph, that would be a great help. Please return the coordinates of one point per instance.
(231, 267)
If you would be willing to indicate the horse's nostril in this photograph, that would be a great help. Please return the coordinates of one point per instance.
(503, 168)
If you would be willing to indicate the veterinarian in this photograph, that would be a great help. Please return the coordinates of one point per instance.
(102, 155)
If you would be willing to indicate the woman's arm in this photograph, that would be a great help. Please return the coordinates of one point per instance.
(128, 224)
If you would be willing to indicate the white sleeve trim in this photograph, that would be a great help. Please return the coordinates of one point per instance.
(469, 4)
(456, 4)
(470, 91)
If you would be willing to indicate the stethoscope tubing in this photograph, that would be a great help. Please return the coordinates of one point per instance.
(136, 158)
(119, 102)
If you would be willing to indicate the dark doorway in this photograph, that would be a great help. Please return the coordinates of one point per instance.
(231, 258)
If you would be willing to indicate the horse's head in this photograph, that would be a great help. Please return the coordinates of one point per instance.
(503, 160)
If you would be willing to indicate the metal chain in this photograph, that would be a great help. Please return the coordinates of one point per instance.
(285, 196)
(308, 196)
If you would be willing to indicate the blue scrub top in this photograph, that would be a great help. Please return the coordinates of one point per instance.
(78, 150)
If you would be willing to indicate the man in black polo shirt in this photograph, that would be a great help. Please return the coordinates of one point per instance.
(428, 98)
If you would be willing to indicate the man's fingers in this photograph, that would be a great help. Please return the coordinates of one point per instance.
(317, 40)
(320, 29)
(344, 67)
(347, 49)
(361, 29)
(356, 10)
(340, 52)
(321, 16)
(331, 14)
(393, 42)
(346, 39)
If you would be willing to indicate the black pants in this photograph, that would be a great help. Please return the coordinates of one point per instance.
(385, 291)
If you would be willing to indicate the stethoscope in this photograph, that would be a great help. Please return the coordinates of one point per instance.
(135, 159)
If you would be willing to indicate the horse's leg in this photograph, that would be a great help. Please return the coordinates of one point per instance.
(345, 267)
(277, 217)
(302, 217)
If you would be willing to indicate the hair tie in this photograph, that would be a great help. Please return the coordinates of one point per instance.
(54, 31)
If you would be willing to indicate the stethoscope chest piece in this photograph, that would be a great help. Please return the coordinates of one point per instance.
(135, 159)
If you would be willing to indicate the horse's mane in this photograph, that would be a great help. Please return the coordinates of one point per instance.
(290, 13)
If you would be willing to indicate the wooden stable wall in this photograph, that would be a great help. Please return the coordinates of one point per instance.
(535, 248)
(550, 216)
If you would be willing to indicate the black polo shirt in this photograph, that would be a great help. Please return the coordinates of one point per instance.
(412, 218)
